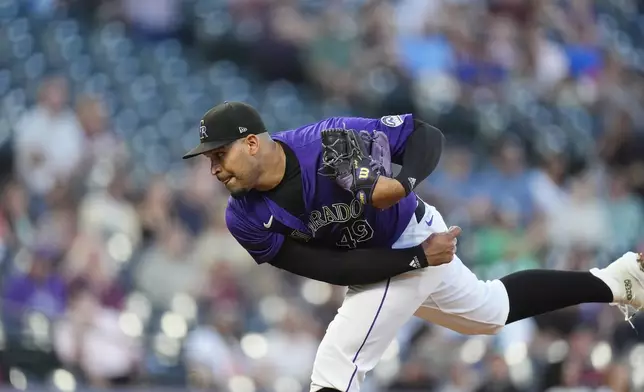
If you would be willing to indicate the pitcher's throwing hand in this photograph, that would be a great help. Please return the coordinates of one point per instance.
(440, 248)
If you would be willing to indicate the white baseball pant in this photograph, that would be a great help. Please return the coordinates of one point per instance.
(449, 295)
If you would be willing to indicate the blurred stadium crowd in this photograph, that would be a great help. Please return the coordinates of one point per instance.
(118, 270)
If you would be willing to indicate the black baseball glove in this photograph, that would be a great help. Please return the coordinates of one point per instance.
(355, 160)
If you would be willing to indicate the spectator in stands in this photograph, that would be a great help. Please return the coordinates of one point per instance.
(167, 268)
(90, 339)
(89, 265)
(414, 376)
(498, 379)
(625, 211)
(40, 288)
(297, 334)
(222, 287)
(548, 184)
(275, 54)
(48, 140)
(452, 186)
(216, 245)
(155, 209)
(576, 370)
(583, 219)
(56, 228)
(502, 249)
(196, 197)
(212, 350)
(508, 171)
(546, 61)
(460, 379)
(108, 212)
(19, 229)
(153, 19)
(332, 53)
(100, 145)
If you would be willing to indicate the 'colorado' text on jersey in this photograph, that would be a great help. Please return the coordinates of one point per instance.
(333, 217)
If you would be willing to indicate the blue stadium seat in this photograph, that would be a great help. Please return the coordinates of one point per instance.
(9, 10)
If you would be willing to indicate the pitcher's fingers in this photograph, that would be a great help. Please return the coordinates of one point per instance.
(455, 231)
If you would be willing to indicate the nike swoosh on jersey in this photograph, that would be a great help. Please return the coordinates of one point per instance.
(269, 223)
(430, 221)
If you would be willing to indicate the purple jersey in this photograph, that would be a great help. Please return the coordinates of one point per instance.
(333, 217)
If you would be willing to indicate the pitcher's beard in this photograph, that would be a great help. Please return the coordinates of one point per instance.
(238, 194)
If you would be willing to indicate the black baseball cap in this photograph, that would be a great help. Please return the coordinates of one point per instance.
(224, 124)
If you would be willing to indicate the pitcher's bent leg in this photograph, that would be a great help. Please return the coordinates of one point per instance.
(465, 304)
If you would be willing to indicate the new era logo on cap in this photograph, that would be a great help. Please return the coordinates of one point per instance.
(242, 129)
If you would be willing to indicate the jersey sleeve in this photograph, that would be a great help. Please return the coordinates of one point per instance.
(396, 127)
(261, 244)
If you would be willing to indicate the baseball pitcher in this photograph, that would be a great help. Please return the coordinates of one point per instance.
(320, 201)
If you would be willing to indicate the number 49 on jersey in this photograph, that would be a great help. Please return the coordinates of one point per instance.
(352, 234)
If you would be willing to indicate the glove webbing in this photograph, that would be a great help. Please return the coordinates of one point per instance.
(337, 157)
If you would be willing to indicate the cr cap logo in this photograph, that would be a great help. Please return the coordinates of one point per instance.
(203, 134)
(392, 121)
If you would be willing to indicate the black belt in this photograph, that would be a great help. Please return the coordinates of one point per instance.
(420, 209)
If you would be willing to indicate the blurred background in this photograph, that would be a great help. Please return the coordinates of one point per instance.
(117, 268)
